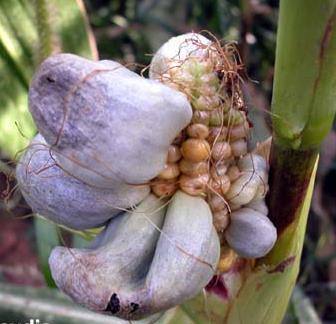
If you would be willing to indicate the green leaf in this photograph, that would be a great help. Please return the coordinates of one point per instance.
(24, 41)
(50, 305)
(47, 237)
(267, 291)
(21, 304)
(303, 307)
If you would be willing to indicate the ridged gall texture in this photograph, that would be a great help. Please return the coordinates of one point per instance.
(106, 124)
(60, 197)
(155, 272)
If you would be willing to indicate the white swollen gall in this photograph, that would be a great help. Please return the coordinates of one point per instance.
(60, 197)
(117, 262)
(106, 125)
(259, 206)
(254, 163)
(250, 233)
(252, 181)
(243, 189)
(153, 273)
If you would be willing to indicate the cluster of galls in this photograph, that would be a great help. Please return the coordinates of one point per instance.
(105, 134)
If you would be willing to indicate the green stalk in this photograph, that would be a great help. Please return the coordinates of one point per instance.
(304, 94)
(303, 107)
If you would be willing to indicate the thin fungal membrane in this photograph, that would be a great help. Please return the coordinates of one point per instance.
(163, 164)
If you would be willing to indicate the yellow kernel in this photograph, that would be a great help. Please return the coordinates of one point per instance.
(215, 186)
(174, 154)
(170, 171)
(233, 173)
(225, 184)
(221, 219)
(193, 169)
(202, 103)
(195, 150)
(210, 102)
(239, 131)
(201, 117)
(209, 90)
(221, 151)
(217, 203)
(194, 186)
(218, 170)
(239, 147)
(234, 117)
(227, 260)
(216, 101)
(220, 184)
(217, 134)
(198, 131)
(216, 118)
(164, 188)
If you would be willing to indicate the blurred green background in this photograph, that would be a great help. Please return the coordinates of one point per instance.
(130, 31)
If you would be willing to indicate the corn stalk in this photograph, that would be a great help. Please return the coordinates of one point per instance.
(303, 109)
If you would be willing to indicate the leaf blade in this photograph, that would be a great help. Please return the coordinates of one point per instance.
(19, 56)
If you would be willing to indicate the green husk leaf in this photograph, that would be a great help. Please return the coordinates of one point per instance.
(267, 291)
